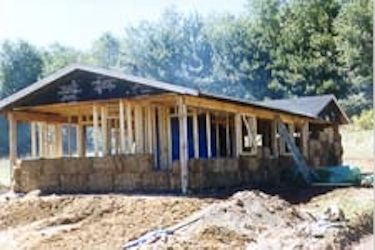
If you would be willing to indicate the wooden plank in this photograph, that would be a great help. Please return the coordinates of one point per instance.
(69, 136)
(196, 134)
(12, 143)
(168, 133)
(40, 139)
(208, 134)
(238, 132)
(38, 116)
(154, 133)
(305, 139)
(122, 126)
(274, 138)
(34, 146)
(225, 106)
(182, 109)
(149, 129)
(162, 118)
(138, 126)
(105, 137)
(58, 141)
(95, 115)
(227, 135)
(81, 139)
(129, 127)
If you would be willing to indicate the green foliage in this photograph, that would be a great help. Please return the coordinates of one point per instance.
(20, 65)
(105, 52)
(58, 56)
(365, 120)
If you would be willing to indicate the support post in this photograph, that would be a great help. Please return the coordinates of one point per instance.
(217, 135)
(305, 140)
(227, 135)
(149, 124)
(33, 140)
(95, 116)
(196, 134)
(12, 143)
(208, 134)
(122, 126)
(104, 122)
(58, 141)
(129, 126)
(41, 140)
(81, 138)
(138, 128)
(182, 110)
(238, 132)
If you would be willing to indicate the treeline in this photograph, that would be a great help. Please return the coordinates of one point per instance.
(275, 49)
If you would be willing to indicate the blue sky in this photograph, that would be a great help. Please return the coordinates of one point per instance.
(78, 22)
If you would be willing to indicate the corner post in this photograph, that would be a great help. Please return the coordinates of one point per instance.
(95, 117)
(182, 115)
(12, 143)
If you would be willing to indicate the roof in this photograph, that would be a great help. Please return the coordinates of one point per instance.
(81, 82)
(314, 106)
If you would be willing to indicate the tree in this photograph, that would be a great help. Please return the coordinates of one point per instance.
(306, 61)
(355, 43)
(105, 51)
(58, 56)
(20, 65)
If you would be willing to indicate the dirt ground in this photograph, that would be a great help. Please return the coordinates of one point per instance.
(109, 221)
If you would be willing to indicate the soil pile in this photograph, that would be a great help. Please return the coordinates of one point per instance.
(253, 220)
(87, 221)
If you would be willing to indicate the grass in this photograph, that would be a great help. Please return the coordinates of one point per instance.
(358, 148)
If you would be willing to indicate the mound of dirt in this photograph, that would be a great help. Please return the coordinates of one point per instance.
(87, 221)
(248, 219)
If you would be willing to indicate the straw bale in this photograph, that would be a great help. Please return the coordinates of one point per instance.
(127, 182)
(104, 164)
(101, 182)
(74, 182)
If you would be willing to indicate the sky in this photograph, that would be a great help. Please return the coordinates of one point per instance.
(78, 23)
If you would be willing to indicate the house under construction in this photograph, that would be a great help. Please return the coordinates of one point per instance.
(148, 135)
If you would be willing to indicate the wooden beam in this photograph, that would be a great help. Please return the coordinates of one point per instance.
(238, 133)
(40, 139)
(81, 138)
(95, 114)
(208, 134)
(58, 141)
(168, 133)
(182, 109)
(227, 135)
(149, 124)
(12, 143)
(105, 137)
(122, 126)
(138, 125)
(196, 134)
(225, 106)
(129, 127)
(34, 146)
(38, 116)
(305, 140)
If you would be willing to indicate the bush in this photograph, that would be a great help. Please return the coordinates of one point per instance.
(365, 120)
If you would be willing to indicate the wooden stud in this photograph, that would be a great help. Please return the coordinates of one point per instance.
(227, 135)
(122, 126)
(105, 137)
(40, 139)
(182, 109)
(138, 126)
(196, 134)
(129, 126)
(58, 141)
(208, 134)
(80, 138)
(238, 132)
(95, 115)
(34, 146)
(305, 139)
(168, 132)
(149, 129)
(12, 143)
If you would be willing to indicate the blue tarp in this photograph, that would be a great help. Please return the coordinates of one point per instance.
(339, 174)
